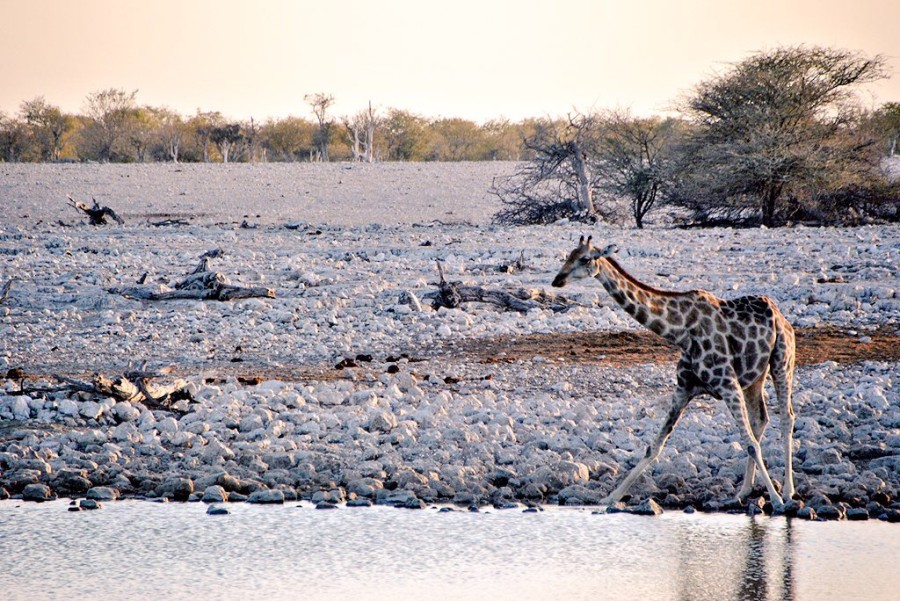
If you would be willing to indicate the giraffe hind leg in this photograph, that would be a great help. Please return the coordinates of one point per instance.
(757, 412)
(730, 392)
(782, 365)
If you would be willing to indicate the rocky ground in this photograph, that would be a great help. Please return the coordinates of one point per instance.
(340, 389)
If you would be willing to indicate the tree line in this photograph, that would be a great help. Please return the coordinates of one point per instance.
(114, 127)
(779, 137)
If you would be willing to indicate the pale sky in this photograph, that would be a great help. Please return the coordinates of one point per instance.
(475, 59)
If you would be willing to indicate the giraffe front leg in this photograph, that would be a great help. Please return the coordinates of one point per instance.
(679, 403)
(749, 478)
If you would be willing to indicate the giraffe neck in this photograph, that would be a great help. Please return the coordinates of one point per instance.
(654, 309)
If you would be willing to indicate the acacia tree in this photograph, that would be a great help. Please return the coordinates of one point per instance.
(171, 133)
(108, 113)
(633, 159)
(202, 126)
(320, 104)
(560, 181)
(770, 128)
(13, 138)
(48, 125)
(405, 135)
(226, 137)
(288, 139)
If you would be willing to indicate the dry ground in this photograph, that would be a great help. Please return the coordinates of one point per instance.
(622, 349)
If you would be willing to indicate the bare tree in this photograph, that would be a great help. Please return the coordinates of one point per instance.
(633, 159)
(320, 104)
(559, 181)
(361, 134)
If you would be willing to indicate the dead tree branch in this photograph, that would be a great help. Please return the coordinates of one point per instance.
(200, 284)
(451, 295)
(134, 387)
(96, 214)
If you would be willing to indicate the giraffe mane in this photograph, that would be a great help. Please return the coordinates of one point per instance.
(640, 284)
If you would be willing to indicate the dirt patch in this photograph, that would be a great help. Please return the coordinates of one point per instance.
(621, 349)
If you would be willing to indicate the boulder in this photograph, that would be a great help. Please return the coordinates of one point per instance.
(214, 494)
(266, 497)
(177, 488)
(37, 492)
(646, 507)
(102, 493)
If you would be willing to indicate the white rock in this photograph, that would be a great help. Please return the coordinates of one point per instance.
(126, 412)
(68, 407)
(20, 408)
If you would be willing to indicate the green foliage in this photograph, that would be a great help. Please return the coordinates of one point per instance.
(770, 133)
(109, 113)
(887, 123)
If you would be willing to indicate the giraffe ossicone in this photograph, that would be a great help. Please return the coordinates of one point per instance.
(728, 349)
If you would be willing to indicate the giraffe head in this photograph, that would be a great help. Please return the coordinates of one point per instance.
(582, 262)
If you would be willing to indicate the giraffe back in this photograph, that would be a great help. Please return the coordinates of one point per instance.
(743, 332)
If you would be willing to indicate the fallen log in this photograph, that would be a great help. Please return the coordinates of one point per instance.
(200, 284)
(96, 214)
(451, 295)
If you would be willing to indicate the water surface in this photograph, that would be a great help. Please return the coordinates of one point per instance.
(143, 550)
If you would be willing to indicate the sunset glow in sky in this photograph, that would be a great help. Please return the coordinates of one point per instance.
(476, 59)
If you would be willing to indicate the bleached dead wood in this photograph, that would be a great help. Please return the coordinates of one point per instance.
(200, 284)
(96, 214)
(4, 292)
(452, 294)
(133, 386)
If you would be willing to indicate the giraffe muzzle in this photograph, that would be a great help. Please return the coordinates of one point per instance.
(559, 281)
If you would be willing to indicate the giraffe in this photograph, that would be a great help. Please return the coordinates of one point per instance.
(728, 348)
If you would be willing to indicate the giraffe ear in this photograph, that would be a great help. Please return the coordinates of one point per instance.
(609, 251)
